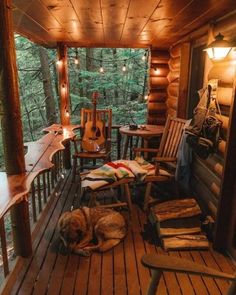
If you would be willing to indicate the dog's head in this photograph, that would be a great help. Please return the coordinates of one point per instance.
(71, 228)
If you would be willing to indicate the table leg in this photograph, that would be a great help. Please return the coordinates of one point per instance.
(126, 146)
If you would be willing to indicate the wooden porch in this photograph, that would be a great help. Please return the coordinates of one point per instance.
(50, 271)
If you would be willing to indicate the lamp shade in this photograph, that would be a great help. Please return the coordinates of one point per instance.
(219, 48)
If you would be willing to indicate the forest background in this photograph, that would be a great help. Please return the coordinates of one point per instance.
(119, 75)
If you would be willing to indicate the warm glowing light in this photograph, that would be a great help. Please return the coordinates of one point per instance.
(219, 48)
(67, 113)
(144, 56)
(218, 53)
(76, 61)
(124, 68)
(63, 88)
(157, 71)
(101, 70)
(146, 97)
(59, 62)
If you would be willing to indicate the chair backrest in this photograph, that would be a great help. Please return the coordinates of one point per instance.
(171, 137)
(101, 115)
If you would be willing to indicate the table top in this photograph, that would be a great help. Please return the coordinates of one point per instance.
(146, 131)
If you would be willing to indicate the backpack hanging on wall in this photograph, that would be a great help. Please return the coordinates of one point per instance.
(203, 133)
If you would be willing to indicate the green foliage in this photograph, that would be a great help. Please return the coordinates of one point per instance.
(122, 91)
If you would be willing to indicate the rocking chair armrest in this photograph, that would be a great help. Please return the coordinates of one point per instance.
(175, 264)
(164, 159)
(146, 150)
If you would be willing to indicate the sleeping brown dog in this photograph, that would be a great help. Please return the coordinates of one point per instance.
(79, 227)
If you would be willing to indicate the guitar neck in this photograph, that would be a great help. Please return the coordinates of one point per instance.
(94, 114)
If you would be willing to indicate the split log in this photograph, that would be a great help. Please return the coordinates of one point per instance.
(173, 76)
(181, 226)
(186, 242)
(176, 209)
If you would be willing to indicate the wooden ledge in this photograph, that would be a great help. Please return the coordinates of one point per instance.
(14, 188)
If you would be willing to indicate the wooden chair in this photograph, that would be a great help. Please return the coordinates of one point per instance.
(105, 154)
(122, 201)
(160, 263)
(166, 156)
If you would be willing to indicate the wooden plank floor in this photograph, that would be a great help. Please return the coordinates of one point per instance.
(118, 272)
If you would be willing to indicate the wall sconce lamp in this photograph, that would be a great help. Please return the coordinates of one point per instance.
(219, 48)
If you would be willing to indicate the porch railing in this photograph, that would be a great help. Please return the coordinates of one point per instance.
(45, 161)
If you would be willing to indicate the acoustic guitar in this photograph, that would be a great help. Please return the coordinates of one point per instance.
(93, 139)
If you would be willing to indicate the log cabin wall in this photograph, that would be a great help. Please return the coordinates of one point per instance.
(207, 174)
(173, 78)
(159, 70)
(177, 90)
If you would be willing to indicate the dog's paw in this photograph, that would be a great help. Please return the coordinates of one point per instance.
(82, 252)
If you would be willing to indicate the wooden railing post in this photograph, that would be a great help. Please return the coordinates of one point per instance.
(21, 229)
(62, 68)
(11, 122)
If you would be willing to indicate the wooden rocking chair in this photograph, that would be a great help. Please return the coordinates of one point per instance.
(166, 159)
(104, 116)
(160, 263)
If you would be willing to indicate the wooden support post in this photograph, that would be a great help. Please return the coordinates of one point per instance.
(226, 217)
(9, 95)
(21, 229)
(62, 68)
(11, 124)
(184, 80)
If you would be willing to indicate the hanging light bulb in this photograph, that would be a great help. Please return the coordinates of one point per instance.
(67, 114)
(59, 62)
(101, 69)
(63, 87)
(157, 71)
(144, 56)
(124, 67)
(76, 60)
(146, 96)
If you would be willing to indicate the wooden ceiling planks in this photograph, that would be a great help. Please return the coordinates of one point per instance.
(114, 15)
(90, 17)
(111, 23)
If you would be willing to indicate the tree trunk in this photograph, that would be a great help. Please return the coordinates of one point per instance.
(115, 68)
(89, 64)
(12, 131)
(47, 86)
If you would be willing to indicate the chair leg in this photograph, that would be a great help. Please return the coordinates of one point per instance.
(74, 169)
(147, 196)
(152, 288)
(128, 197)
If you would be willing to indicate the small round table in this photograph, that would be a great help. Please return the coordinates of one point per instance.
(147, 132)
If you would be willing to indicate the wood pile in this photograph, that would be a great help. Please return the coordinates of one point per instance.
(178, 225)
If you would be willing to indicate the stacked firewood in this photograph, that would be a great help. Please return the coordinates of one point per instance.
(178, 224)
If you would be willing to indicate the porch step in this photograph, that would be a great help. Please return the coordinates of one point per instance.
(178, 224)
